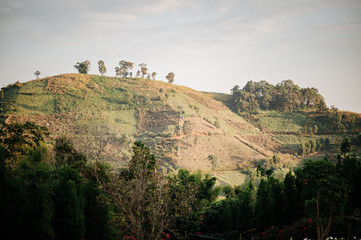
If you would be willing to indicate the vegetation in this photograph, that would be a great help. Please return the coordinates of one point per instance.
(62, 180)
(37, 74)
(143, 69)
(285, 96)
(83, 67)
(108, 113)
(102, 68)
(66, 197)
(123, 69)
(170, 77)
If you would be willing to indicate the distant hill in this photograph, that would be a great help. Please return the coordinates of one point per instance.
(184, 128)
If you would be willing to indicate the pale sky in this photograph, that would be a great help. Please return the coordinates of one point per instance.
(210, 45)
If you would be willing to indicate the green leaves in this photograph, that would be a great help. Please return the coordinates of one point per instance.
(17, 139)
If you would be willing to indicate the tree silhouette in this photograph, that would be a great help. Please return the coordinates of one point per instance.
(153, 75)
(102, 68)
(83, 67)
(170, 77)
(143, 69)
(37, 73)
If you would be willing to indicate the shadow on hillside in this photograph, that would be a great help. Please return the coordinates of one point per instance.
(114, 100)
(33, 108)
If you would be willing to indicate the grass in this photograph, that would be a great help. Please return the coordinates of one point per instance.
(233, 178)
(282, 121)
(108, 105)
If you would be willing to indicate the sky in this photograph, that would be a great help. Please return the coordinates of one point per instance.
(210, 45)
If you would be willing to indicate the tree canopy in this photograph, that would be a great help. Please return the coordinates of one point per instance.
(102, 68)
(170, 77)
(285, 96)
(83, 67)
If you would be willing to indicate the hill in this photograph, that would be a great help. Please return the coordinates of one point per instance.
(184, 128)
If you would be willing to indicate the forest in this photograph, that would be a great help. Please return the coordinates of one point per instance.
(58, 193)
(285, 96)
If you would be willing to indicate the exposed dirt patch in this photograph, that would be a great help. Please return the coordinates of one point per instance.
(157, 120)
(73, 84)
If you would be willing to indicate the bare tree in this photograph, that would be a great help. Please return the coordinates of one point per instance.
(148, 204)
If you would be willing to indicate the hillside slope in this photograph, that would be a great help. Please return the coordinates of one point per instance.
(104, 115)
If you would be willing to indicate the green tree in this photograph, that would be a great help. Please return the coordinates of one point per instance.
(190, 195)
(292, 207)
(102, 68)
(263, 207)
(66, 154)
(69, 221)
(140, 194)
(37, 73)
(345, 147)
(153, 75)
(17, 139)
(170, 77)
(118, 72)
(143, 69)
(83, 67)
(324, 193)
(125, 67)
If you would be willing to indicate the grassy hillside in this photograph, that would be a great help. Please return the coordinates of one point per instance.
(108, 114)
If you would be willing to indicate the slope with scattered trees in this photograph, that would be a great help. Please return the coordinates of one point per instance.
(183, 127)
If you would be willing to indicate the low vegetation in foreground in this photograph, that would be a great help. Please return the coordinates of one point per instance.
(57, 193)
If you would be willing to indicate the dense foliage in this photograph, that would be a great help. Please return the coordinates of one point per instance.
(285, 96)
(57, 194)
(320, 199)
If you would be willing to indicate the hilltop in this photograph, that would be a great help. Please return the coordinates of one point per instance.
(184, 128)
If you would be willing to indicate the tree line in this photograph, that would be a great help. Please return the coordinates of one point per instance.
(318, 200)
(59, 194)
(124, 70)
(285, 96)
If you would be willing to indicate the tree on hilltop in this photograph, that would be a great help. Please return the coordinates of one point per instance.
(170, 77)
(118, 72)
(102, 68)
(143, 69)
(83, 67)
(153, 75)
(37, 73)
(125, 67)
